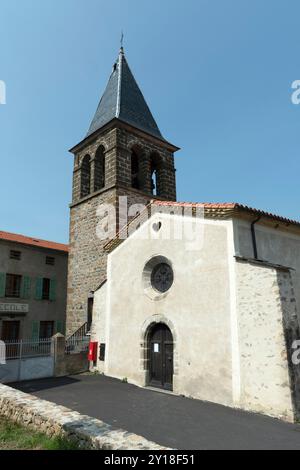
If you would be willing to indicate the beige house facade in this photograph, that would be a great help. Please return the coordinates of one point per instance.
(33, 287)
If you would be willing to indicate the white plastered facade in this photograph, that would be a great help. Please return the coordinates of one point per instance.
(228, 316)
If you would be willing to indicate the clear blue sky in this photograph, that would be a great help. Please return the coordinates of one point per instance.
(217, 75)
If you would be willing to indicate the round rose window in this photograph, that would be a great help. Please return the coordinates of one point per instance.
(162, 277)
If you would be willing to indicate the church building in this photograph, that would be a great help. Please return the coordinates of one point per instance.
(200, 299)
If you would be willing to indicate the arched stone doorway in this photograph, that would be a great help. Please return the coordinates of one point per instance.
(160, 351)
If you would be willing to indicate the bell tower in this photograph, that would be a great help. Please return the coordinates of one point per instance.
(123, 154)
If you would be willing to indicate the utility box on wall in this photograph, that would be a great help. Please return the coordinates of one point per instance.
(93, 347)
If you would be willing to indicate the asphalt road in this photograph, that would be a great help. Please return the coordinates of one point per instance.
(169, 420)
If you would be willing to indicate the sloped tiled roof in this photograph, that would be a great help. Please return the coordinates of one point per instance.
(14, 237)
(123, 99)
(211, 210)
(227, 206)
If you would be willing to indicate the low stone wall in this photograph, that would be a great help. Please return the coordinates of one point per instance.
(67, 364)
(56, 420)
(71, 364)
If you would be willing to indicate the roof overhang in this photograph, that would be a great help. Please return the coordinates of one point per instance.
(211, 211)
(118, 123)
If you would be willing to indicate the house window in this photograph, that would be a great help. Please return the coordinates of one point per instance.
(46, 289)
(15, 254)
(46, 329)
(13, 285)
(50, 260)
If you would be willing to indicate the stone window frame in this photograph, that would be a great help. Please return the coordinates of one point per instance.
(148, 154)
(91, 151)
(150, 264)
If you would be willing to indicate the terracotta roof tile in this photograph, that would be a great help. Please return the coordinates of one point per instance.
(14, 237)
(228, 206)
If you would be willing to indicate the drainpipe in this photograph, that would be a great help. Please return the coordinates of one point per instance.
(253, 236)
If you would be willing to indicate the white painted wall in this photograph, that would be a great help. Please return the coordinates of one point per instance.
(268, 305)
(273, 245)
(226, 316)
(99, 325)
(197, 305)
(265, 381)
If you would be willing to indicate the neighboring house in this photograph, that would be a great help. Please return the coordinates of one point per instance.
(33, 287)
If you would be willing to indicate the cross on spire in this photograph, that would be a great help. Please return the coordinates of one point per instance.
(123, 99)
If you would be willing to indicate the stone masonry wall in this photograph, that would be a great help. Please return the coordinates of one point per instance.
(87, 259)
(266, 314)
(118, 144)
(56, 420)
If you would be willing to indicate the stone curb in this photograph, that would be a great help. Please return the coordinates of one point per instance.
(56, 420)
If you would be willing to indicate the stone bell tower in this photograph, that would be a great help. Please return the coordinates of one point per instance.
(123, 154)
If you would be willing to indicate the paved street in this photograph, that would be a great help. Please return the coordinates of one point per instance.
(170, 420)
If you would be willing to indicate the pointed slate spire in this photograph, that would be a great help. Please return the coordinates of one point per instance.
(122, 99)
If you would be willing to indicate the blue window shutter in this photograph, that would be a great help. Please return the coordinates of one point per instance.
(2, 284)
(39, 288)
(35, 330)
(52, 294)
(25, 287)
(60, 327)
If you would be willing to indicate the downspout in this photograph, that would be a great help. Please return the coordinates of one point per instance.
(253, 236)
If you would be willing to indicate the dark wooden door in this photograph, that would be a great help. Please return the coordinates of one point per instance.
(10, 334)
(161, 357)
(10, 330)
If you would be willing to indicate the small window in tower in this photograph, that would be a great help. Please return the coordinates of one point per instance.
(99, 169)
(135, 170)
(50, 260)
(14, 254)
(85, 176)
(156, 168)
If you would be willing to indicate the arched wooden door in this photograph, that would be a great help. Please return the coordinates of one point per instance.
(161, 357)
